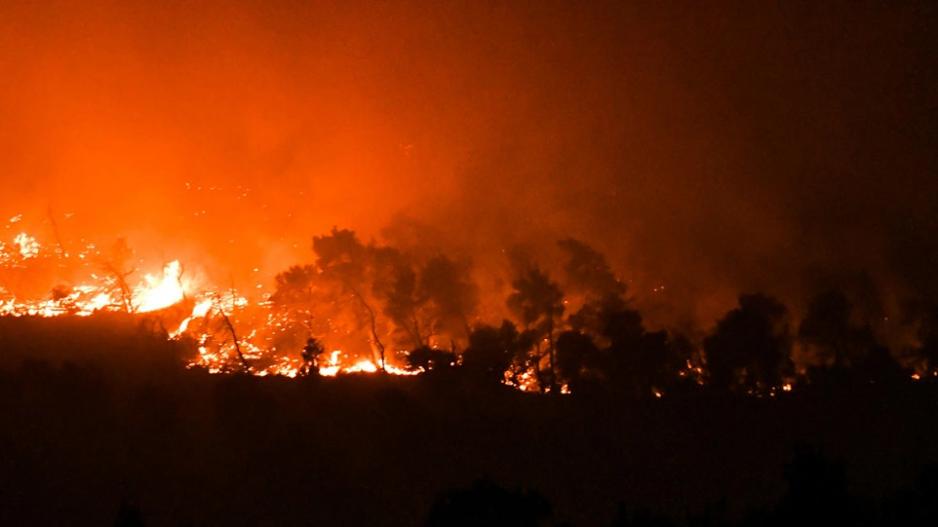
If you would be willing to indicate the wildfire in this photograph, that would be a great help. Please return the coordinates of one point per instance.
(159, 292)
(526, 381)
(333, 366)
(28, 246)
(200, 310)
(230, 332)
(154, 293)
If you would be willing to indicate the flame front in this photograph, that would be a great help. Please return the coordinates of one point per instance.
(160, 292)
(231, 332)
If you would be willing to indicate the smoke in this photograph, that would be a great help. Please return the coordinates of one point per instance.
(707, 152)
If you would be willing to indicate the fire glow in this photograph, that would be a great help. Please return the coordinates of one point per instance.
(207, 313)
(283, 333)
(155, 292)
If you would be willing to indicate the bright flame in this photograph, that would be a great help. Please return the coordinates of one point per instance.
(29, 246)
(199, 311)
(159, 292)
(218, 351)
(332, 368)
(365, 366)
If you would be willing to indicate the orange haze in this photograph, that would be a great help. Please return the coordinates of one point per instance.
(711, 152)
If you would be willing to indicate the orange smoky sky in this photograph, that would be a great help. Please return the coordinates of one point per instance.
(725, 148)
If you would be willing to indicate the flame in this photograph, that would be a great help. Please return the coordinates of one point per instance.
(334, 367)
(221, 345)
(160, 292)
(28, 245)
(199, 311)
(365, 366)
(526, 381)
(218, 351)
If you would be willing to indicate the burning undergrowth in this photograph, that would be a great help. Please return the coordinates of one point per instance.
(562, 324)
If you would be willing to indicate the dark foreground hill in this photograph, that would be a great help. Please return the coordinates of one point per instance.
(100, 420)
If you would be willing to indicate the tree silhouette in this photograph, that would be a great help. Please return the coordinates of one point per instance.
(646, 362)
(751, 346)
(344, 260)
(878, 366)
(632, 358)
(492, 350)
(452, 295)
(537, 301)
(619, 329)
(843, 351)
(395, 286)
(826, 328)
(117, 262)
(311, 353)
(657, 362)
(578, 360)
(928, 341)
(612, 320)
(295, 285)
(587, 272)
(296, 299)
(428, 359)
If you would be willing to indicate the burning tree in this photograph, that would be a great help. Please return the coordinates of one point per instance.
(428, 359)
(537, 301)
(298, 306)
(117, 264)
(395, 285)
(492, 350)
(345, 261)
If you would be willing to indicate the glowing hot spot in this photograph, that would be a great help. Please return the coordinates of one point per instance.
(158, 292)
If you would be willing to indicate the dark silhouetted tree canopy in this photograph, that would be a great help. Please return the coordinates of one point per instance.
(395, 287)
(428, 359)
(579, 360)
(751, 345)
(587, 271)
(492, 350)
(344, 260)
(537, 302)
(311, 353)
(928, 341)
(452, 294)
(295, 285)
